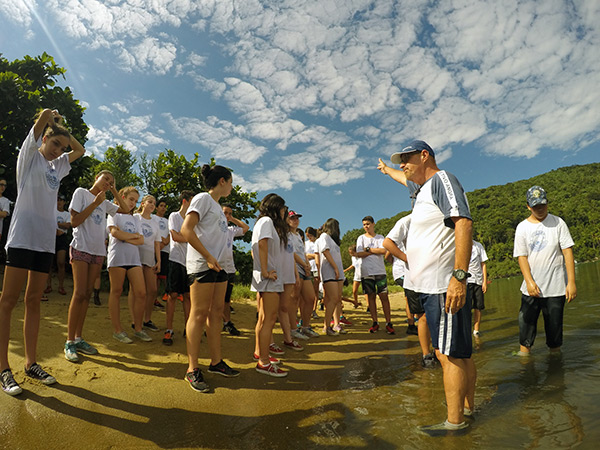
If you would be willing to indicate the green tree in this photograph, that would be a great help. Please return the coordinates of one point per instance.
(121, 162)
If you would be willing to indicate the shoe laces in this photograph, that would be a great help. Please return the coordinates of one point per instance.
(37, 370)
(7, 379)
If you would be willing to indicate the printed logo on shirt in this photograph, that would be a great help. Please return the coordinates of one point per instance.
(146, 230)
(290, 247)
(539, 241)
(130, 227)
(52, 179)
(162, 225)
(97, 216)
(223, 225)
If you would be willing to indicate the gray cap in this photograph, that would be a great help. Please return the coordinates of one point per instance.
(536, 195)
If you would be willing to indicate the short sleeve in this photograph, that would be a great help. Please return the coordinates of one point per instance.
(565, 239)
(449, 195)
(360, 246)
(520, 248)
(110, 208)
(200, 204)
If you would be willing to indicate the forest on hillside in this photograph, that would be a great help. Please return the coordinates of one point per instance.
(573, 194)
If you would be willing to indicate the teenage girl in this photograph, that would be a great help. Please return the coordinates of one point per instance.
(269, 239)
(329, 260)
(88, 209)
(163, 223)
(309, 248)
(43, 161)
(63, 224)
(124, 260)
(150, 257)
(205, 229)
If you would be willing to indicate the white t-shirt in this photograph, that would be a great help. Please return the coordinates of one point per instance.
(163, 224)
(430, 245)
(62, 217)
(121, 253)
(33, 225)
(298, 246)
(543, 243)
(264, 229)
(357, 263)
(90, 235)
(151, 231)
(4, 206)
(478, 257)
(398, 235)
(211, 229)
(289, 275)
(324, 242)
(309, 248)
(373, 264)
(232, 232)
(177, 250)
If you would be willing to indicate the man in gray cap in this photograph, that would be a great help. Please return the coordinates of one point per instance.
(544, 248)
(438, 249)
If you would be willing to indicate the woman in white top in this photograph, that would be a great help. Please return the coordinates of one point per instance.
(43, 161)
(205, 229)
(88, 209)
(124, 260)
(329, 260)
(269, 239)
(309, 249)
(150, 256)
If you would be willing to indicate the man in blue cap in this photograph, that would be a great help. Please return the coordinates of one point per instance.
(438, 249)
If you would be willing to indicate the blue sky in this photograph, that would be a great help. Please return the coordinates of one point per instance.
(302, 97)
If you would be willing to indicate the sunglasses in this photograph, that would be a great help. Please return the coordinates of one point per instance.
(404, 158)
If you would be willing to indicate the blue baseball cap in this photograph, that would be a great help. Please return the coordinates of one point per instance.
(536, 195)
(414, 146)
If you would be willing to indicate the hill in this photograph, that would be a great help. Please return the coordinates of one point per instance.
(573, 194)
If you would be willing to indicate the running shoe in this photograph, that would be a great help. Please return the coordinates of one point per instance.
(374, 328)
(231, 329)
(272, 359)
(272, 370)
(389, 328)
(168, 339)
(9, 385)
(475, 332)
(196, 381)
(428, 361)
(143, 336)
(293, 345)
(339, 329)
(223, 369)
(71, 352)
(310, 332)
(276, 349)
(443, 429)
(158, 305)
(37, 373)
(122, 337)
(412, 329)
(150, 326)
(85, 348)
(299, 335)
(329, 331)
(345, 321)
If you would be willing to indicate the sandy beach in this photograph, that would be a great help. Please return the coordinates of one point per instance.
(134, 396)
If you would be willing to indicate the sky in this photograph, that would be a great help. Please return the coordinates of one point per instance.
(302, 97)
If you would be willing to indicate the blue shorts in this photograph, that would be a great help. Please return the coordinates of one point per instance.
(450, 333)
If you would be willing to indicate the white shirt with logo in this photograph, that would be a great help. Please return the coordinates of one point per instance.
(177, 250)
(478, 257)
(324, 242)
(163, 225)
(233, 231)
(121, 253)
(264, 229)
(151, 231)
(373, 264)
(309, 249)
(4, 206)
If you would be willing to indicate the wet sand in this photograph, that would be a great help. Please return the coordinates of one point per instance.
(134, 396)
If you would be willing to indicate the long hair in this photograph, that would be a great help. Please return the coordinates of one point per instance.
(332, 228)
(124, 192)
(144, 198)
(270, 206)
(212, 175)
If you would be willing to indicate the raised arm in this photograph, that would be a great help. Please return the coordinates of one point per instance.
(395, 174)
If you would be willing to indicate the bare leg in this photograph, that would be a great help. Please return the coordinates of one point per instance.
(117, 277)
(31, 325)
(285, 301)
(14, 279)
(371, 299)
(455, 386)
(60, 264)
(150, 280)
(476, 319)
(267, 315)
(307, 295)
(214, 324)
(424, 334)
(171, 303)
(137, 286)
(84, 275)
(201, 297)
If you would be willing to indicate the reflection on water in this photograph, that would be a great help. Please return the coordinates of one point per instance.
(545, 401)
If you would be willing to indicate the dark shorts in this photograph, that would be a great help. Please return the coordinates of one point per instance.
(552, 309)
(375, 285)
(305, 277)
(77, 255)
(450, 333)
(414, 301)
(208, 276)
(23, 258)
(62, 243)
(230, 280)
(399, 281)
(330, 281)
(164, 265)
(476, 293)
(177, 278)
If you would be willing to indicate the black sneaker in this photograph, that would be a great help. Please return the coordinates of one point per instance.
(412, 329)
(158, 305)
(150, 326)
(168, 339)
(9, 385)
(223, 369)
(428, 361)
(97, 298)
(231, 329)
(196, 381)
(37, 373)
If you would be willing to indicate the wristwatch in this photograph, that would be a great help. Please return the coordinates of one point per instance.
(368, 249)
(460, 275)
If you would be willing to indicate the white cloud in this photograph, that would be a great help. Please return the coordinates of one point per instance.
(18, 11)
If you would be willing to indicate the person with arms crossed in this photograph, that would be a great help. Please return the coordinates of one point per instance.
(477, 284)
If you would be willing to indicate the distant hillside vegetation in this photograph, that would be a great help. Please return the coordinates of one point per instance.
(573, 194)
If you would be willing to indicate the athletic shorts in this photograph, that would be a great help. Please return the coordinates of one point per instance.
(77, 255)
(230, 280)
(476, 293)
(414, 301)
(62, 243)
(450, 333)
(207, 276)
(552, 309)
(164, 265)
(177, 278)
(23, 258)
(399, 281)
(305, 277)
(331, 281)
(375, 285)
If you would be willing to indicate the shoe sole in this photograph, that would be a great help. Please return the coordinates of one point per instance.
(72, 359)
(47, 382)
(272, 374)
(14, 392)
(123, 341)
(296, 349)
(203, 390)
(167, 342)
(224, 374)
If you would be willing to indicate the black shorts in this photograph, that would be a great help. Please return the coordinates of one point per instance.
(230, 280)
(552, 309)
(414, 301)
(476, 293)
(62, 242)
(305, 277)
(164, 265)
(399, 281)
(375, 285)
(207, 276)
(177, 279)
(23, 258)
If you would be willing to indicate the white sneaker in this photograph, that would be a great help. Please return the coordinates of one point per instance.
(71, 352)
(308, 331)
(142, 335)
(122, 337)
(475, 332)
(299, 335)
